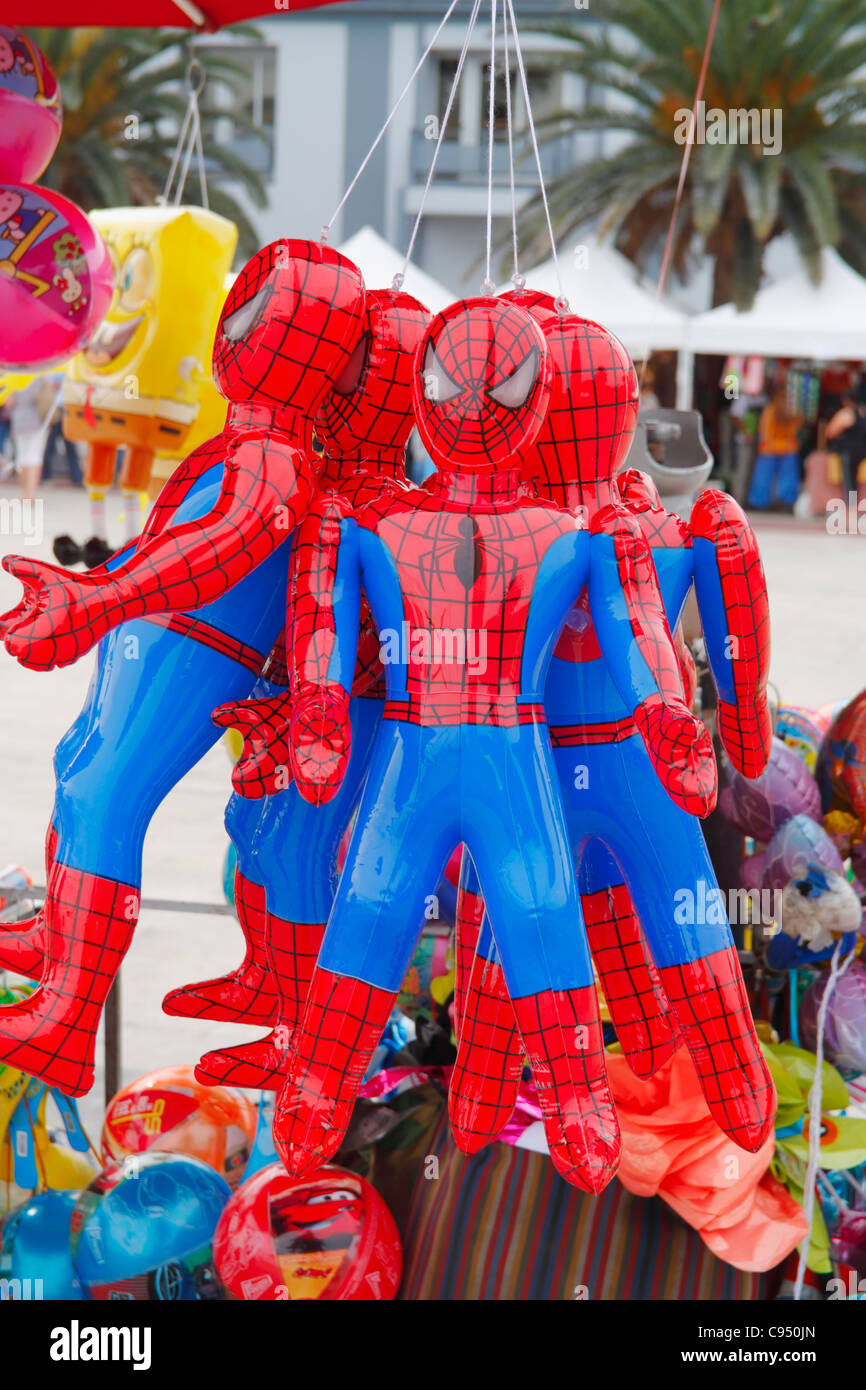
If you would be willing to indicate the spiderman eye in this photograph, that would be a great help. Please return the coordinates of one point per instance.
(438, 385)
(349, 377)
(514, 390)
(238, 324)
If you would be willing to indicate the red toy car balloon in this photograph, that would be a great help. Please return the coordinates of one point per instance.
(169, 1110)
(329, 1237)
(56, 279)
(30, 108)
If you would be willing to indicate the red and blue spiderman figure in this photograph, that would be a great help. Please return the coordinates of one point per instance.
(464, 564)
(185, 620)
(664, 977)
(287, 847)
(463, 752)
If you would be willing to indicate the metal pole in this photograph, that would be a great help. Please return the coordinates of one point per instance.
(112, 1042)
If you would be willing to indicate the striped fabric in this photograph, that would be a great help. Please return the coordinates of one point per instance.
(504, 1225)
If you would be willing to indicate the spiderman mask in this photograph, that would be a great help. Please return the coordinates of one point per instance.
(289, 326)
(369, 408)
(593, 406)
(482, 385)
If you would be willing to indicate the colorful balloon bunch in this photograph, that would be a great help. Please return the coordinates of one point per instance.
(487, 660)
(55, 272)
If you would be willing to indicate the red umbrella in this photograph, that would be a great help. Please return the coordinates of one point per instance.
(188, 14)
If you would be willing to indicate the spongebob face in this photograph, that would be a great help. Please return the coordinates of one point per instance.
(126, 326)
(169, 267)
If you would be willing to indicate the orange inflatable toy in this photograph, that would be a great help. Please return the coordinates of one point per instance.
(169, 1110)
(672, 1147)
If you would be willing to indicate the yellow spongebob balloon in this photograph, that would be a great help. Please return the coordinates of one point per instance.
(210, 420)
(138, 382)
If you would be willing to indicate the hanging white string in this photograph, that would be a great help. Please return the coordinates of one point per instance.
(815, 1095)
(382, 133)
(473, 19)
(189, 140)
(487, 285)
(517, 280)
(562, 302)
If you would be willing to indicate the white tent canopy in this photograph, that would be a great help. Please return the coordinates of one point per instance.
(379, 261)
(793, 318)
(600, 284)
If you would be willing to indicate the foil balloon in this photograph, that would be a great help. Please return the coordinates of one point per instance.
(841, 769)
(30, 108)
(812, 900)
(55, 277)
(203, 592)
(461, 753)
(845, 1028)
(760, 805)
(169, 1111)
(144, 1229)
(330, 1237)
(35, 1259)
(803, 730)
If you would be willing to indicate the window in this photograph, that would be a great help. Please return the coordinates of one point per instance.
(500, 99)
(250, 91)
(544, 91)
(447, 74)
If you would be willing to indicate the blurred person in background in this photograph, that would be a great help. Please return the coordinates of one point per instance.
(776, 476)
(846, 434)
(5, 426)
(31, 408)
(57, 441)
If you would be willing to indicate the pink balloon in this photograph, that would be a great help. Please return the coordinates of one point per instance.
(845, 1030)
(56, 278)
(30, 109)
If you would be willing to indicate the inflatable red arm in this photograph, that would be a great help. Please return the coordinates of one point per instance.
(732, 598)
(267, 483)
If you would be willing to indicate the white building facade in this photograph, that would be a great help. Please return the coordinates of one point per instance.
(321, 85)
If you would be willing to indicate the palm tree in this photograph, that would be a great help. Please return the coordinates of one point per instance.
(798, 56)
(109, 77)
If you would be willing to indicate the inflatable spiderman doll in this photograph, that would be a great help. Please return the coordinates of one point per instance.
(463, 752)
(192, 611)
(664, 977)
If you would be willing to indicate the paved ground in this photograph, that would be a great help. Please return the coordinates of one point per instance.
(817, 588)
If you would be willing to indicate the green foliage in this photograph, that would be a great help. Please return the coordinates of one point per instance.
(801, 57)
(110, 76)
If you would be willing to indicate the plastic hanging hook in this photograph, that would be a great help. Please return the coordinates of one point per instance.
(196, 77)
(189, 140)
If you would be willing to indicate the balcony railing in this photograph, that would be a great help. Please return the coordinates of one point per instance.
(458, 163)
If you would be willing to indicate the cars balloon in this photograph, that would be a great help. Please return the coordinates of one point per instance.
(171, 1112)
(330, 1237)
